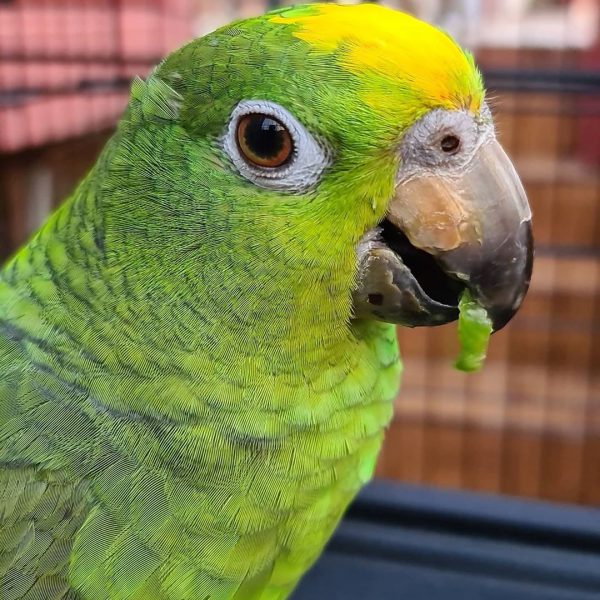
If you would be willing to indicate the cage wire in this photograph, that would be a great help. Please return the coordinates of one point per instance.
(529, 423)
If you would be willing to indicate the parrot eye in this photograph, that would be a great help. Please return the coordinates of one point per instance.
(450, 144)
(264, 141)
(272, 149)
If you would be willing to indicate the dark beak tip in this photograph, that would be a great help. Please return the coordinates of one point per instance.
(501, 315)
(501, 283)
(501, 318)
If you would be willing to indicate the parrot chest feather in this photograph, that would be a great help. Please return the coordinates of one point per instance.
(234, 490)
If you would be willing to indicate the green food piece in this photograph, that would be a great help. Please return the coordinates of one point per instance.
(474, 330)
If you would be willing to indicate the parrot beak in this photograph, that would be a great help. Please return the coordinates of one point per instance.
(467, 228)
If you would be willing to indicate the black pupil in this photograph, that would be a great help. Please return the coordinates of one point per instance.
(265, 136)
(450, 143)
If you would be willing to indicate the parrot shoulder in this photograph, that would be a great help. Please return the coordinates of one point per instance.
(40, 512)
(41, 507)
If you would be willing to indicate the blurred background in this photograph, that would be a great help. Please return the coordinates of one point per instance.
(529, 423)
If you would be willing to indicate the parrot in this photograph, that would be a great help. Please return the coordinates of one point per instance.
(198, 351)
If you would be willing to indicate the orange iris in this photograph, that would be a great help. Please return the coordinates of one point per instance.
(263, 140)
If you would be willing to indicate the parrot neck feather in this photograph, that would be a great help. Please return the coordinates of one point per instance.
(140, 316)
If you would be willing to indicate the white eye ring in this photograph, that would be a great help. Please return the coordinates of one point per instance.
(303, 169)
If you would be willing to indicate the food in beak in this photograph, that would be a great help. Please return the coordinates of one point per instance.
(474, 330)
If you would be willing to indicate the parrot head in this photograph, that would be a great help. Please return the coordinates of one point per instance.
(347, 152)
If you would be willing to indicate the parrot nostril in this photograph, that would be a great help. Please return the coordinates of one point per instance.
(450, 144)
(376, 299)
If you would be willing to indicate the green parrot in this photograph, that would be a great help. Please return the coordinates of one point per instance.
(197, 349)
